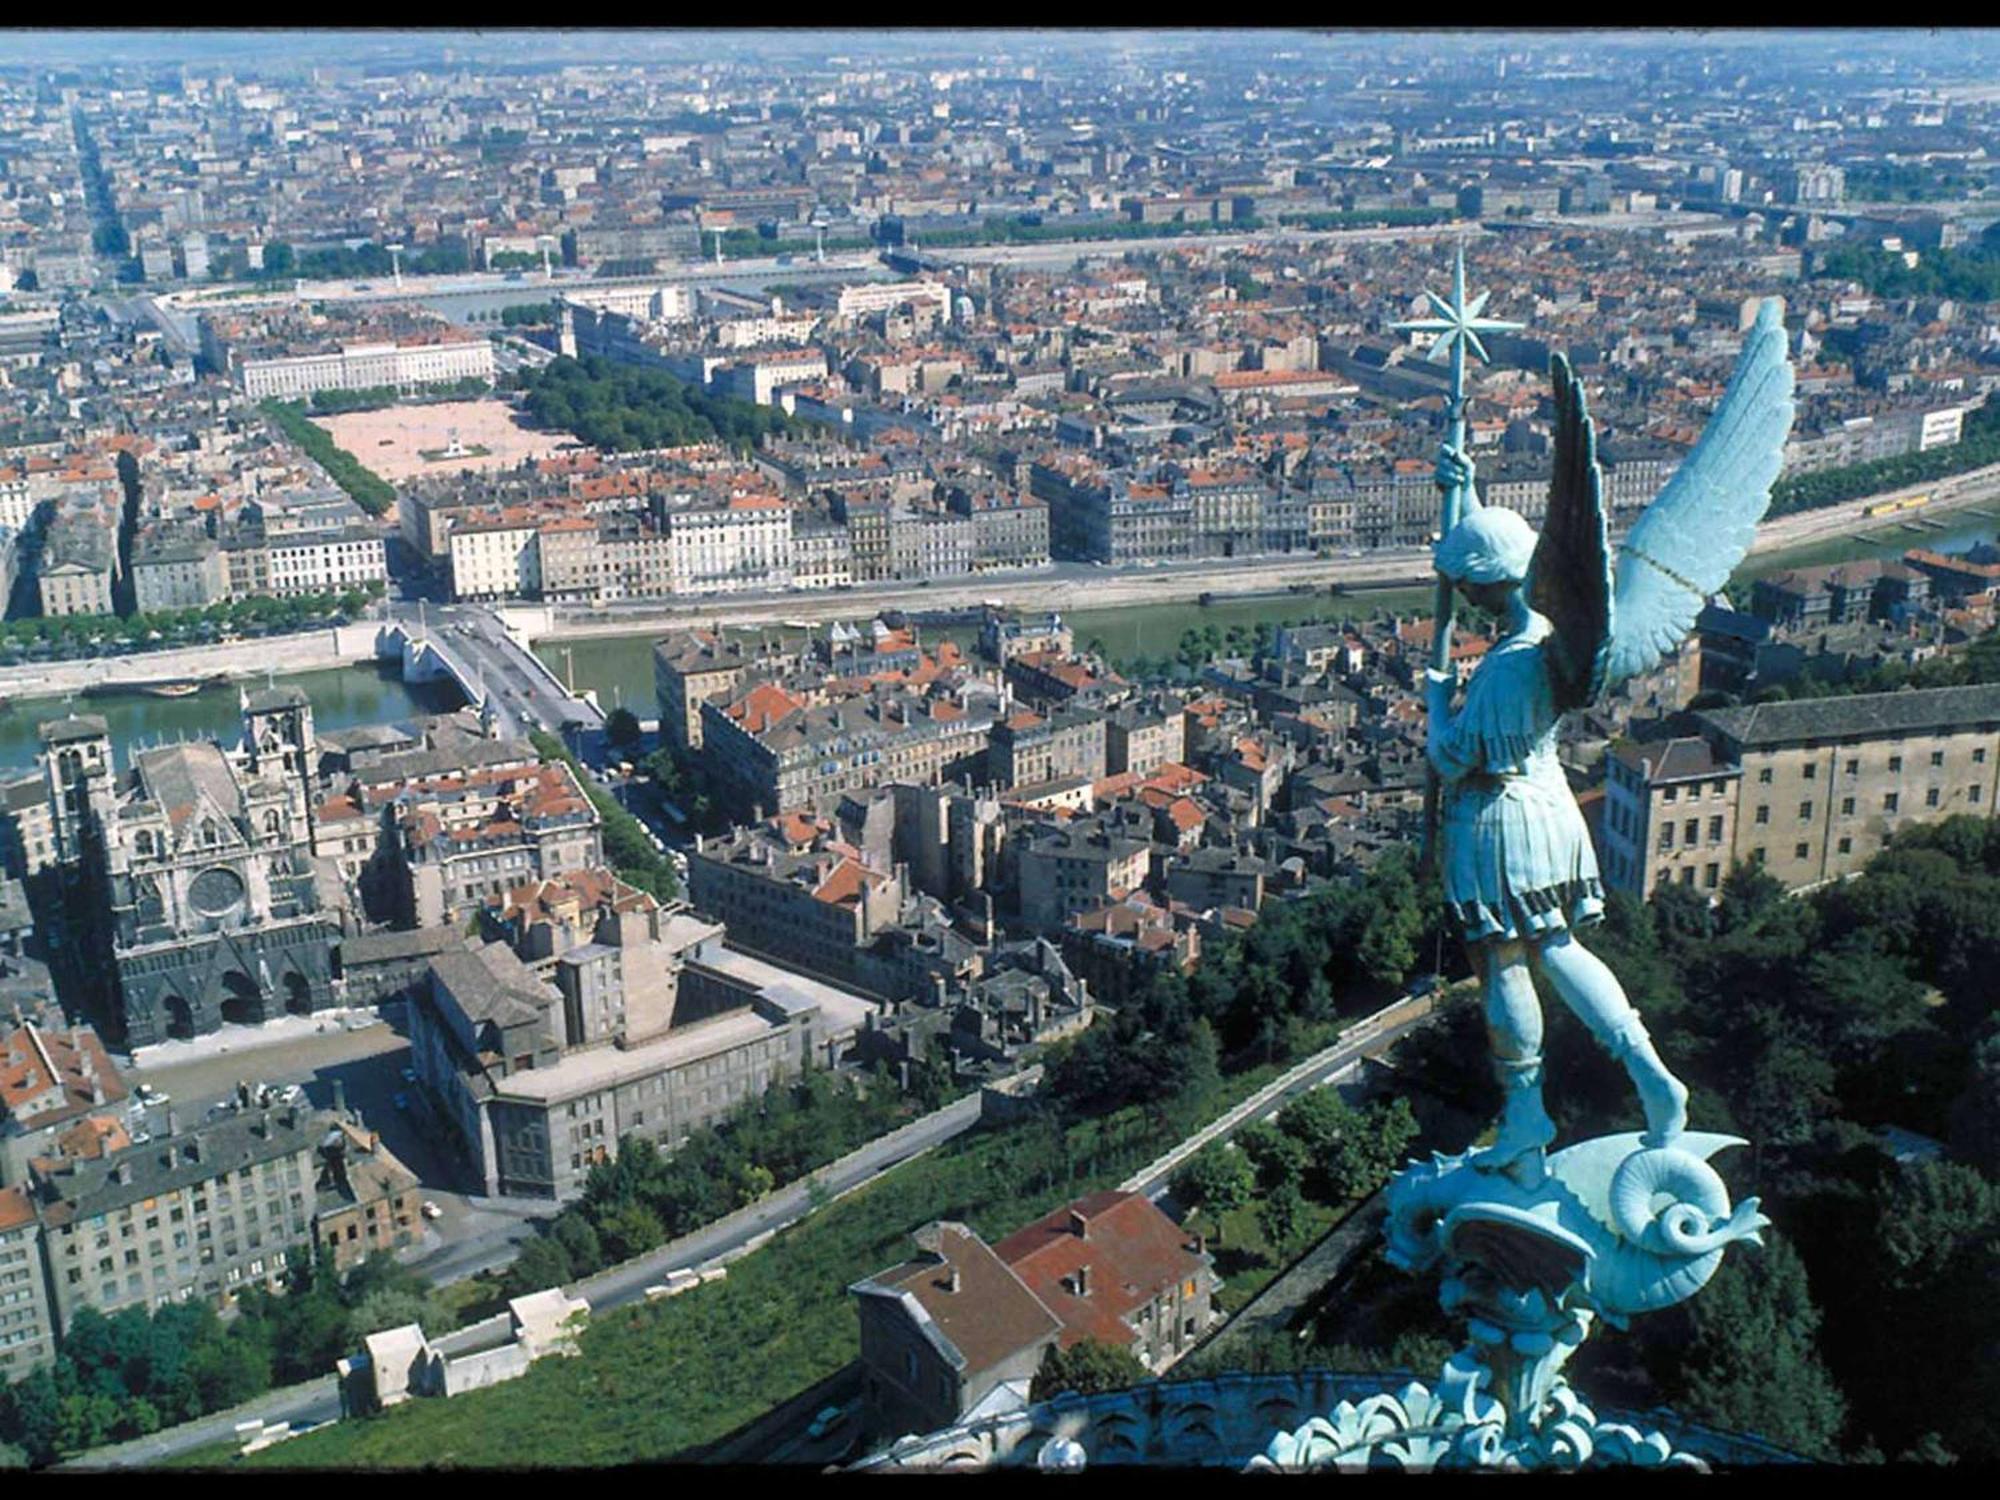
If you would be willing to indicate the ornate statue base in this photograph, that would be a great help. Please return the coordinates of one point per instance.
(1531, 1257)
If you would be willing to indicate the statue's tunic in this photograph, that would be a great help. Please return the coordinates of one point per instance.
(1517, 861)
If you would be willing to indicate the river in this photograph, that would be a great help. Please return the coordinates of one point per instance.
(620, 667)
(341, 698)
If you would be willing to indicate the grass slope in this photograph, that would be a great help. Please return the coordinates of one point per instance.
(659, 1379)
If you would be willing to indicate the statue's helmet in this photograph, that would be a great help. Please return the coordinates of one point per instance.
(1492, 545)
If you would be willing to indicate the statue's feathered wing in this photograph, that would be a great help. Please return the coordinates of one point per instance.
(1692, 536)
(1569, 580)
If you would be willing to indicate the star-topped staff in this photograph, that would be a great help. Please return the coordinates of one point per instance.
(1457, 325)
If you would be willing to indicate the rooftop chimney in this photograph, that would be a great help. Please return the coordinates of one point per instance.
(173, 1123)
(340, 1098)
(1083, 1281)
(951, 1280)
(1079, 1225)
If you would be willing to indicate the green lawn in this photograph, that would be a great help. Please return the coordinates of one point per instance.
(1244, 1257)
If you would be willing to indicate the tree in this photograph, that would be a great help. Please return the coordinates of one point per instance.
(1927, 1214)
(542, 1263)
(34, 1414)
(1752, 1364)
(1218, 1180)
(1088, 1368)
(578, 1237)
(1975, 1117)
(230, 1371)
(621, 727)
(1282, 1215)
(628, 1230)
(388, 1308)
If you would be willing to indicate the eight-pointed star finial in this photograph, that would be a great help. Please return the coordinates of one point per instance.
(1457, 321)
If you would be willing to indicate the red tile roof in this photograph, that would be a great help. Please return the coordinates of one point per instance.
(1134, 1253)
(989, 1317)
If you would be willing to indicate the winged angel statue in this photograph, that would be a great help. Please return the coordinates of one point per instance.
(1518, 869)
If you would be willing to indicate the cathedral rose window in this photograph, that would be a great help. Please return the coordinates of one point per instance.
(216, 891)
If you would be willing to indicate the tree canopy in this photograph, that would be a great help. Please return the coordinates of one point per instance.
(624, 408)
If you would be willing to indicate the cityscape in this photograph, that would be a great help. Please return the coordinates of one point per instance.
(724, 747)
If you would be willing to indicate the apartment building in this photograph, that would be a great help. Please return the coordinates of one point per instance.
(177, 568)
(694, 666)
(810, 906)
(1116, 1270)
(334, 562)
(773, 751)
(27, 1320)
(822, 555)
(366, 1202)
(467, 835)
(1814, 787)
(1027, 749)
(947, 1334)
(743, 545)
(1669, 816)
(497, 556)
(1826, 782)
(80, 556)
(1066, 869)
(1140, 738)
(205, 1211)
(50, 1082)
(535, 1096)
(1009, 529)
(366, 366)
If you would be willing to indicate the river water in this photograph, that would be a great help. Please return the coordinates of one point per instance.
(341, 697)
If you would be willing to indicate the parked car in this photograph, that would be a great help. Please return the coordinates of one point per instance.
(402, 1101)
(409, 1075)
(431, 1210)
(826, 1422)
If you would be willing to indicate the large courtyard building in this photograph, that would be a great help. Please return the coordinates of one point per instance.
(1814, 788)
(292, 353)
(655, 1034)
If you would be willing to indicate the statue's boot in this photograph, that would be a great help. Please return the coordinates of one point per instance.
(1663, 1096)
(1525, 1126)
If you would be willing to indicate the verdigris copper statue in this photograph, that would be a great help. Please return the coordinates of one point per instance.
(1518, 870)
(1534, 1248)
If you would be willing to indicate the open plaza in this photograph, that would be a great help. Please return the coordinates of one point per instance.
(393, 442)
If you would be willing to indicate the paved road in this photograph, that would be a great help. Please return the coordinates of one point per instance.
(1063, 586)
(628, 1283)
(489, 662)
(1367, 1035)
